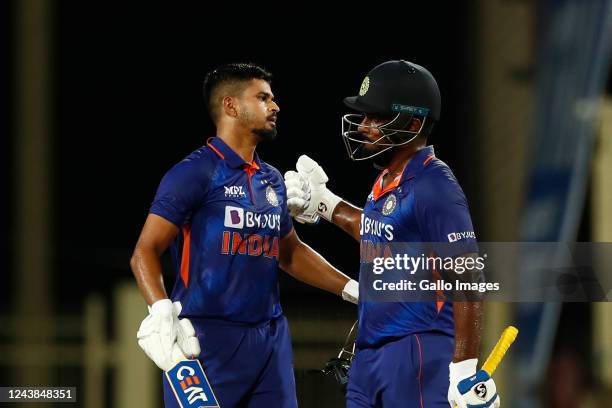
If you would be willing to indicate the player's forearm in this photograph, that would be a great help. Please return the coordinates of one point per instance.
(348, 217)
(147, 269)
(306, 265)
(468, 318)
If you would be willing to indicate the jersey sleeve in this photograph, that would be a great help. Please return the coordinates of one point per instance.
(443, 214)
(182, 191)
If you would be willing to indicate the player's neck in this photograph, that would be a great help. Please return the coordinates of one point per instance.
(243, 144)
(402, 157)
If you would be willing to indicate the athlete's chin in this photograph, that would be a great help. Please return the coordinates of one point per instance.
(265, 134)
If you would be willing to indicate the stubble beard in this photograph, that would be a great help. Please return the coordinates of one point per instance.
(262, 134)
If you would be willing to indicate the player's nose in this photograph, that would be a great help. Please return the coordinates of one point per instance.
(274, 107)
(364, 125)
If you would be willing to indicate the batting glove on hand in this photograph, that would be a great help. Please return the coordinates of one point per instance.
(471, 389)
(310, 196)
(157, 335)
(298, 198)
(185, 334)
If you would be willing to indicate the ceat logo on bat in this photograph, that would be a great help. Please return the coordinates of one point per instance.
(190, 385)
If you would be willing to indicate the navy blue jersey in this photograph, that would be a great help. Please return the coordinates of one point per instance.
(232, 215)
(424, 204)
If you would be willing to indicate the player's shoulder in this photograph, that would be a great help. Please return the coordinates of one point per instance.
(439, 173)
(437, 182)
(198, 164)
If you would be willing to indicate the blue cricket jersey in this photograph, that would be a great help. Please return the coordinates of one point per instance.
(424, 204)
(232, 215)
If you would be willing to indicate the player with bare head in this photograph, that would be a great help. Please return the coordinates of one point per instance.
(222, 211)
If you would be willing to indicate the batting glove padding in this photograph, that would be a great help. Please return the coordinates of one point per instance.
(471, 389)
(311, 197)
(157, 335)
(298, 198)
(185, 334)
(164, 338)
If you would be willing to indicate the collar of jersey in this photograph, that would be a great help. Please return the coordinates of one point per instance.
(416, 164)
(231, 157)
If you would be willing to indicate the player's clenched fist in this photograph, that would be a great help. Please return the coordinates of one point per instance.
(165, 338)
(185, 334)
(298, 193)
(471, 389)
(307, 194)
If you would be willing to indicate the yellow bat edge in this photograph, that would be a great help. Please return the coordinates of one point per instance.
(498, 352)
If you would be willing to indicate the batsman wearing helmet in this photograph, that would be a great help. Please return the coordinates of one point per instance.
(409, 354)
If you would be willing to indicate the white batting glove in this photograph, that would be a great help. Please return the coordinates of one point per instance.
(157, 335)
(350, 293)
(185, 334)
(470, 389)
(315, 199)
(298, 198)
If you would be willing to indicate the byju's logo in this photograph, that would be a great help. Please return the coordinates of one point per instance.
(234, 191)
(457, 236)
(234, 217)
(190, 385)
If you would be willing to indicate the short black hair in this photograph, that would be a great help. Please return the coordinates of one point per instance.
(234, 75)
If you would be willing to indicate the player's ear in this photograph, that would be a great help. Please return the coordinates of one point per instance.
(415, 125)
(229, 106)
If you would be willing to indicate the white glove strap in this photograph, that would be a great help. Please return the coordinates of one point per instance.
(350, 293)
(462, 369)
(327, 204)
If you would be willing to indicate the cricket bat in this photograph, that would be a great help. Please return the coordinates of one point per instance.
(190, 385)
(499, 351)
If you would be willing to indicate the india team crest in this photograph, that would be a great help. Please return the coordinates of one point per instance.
(271, 196)
(365, 85)
(389, 205)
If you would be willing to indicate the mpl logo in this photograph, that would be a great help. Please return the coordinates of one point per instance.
(190, 385)
(234, 191)
(456, 236)
(234, 217)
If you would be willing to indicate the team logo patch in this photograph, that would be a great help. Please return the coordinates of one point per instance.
(389, 205)
(234, 217)
(190, 385)
(365, 85)
(271, 196)
(234, 191)
(481, 391)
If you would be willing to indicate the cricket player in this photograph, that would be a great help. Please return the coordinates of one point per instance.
(409, 354)
(222, 212)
